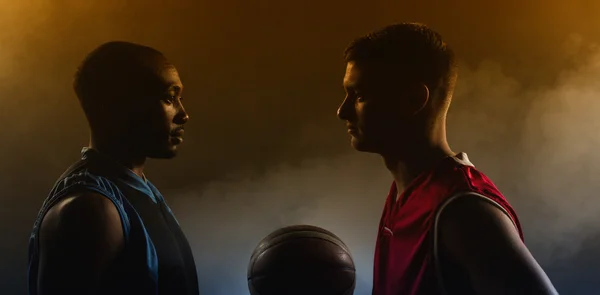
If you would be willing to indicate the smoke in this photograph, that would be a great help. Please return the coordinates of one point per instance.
(561, 138)
(537, 143)
(227, 219)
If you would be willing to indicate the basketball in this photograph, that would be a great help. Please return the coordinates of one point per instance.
(301, 260)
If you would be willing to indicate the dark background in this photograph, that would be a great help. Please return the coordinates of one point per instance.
(263, 147)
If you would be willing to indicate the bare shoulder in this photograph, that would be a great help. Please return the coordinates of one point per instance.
(471, 227)
(87, 210)
(84, 228)
(80, 237)
(481, 237)
(476, 214)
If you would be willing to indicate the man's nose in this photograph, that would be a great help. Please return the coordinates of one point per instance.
(344, 110)
(182, 116)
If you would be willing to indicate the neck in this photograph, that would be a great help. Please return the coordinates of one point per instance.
(120, 153)
(407, 164)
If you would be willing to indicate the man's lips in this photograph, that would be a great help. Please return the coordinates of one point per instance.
(351, 129)
(178, 132)
(177, 136)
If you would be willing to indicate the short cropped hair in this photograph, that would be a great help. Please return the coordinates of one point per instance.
(412, 49)
(108, 69)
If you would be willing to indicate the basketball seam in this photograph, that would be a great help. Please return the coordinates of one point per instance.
(343, 268)
(318, 235)
(260, 250)
(255, 256)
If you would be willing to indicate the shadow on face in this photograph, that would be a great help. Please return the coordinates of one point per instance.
(379, 108)
(157, 114)
(132, 97)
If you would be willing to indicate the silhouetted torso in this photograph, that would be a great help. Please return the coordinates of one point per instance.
(157, 258)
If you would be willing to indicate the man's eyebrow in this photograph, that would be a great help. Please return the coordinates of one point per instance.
(355, 87)
(349, 84)
(175, 88)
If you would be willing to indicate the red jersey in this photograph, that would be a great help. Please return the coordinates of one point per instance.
(405, 261)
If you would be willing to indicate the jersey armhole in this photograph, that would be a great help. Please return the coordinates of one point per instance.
(436, 256)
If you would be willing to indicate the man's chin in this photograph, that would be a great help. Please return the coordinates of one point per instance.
(164, 154)
(360, 146)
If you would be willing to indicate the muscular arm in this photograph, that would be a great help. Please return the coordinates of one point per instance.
(483, 240)
(79, 238)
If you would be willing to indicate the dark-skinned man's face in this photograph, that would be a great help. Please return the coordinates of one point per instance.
(155, 117)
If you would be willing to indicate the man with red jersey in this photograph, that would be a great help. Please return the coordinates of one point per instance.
(445, 228)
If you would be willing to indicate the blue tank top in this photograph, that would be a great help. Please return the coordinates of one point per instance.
(156, 259)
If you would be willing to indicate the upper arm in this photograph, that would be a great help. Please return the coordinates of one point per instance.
(484, 241)
(79, 237)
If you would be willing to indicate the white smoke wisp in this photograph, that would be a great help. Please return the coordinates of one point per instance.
(227, 219)
(561, 137)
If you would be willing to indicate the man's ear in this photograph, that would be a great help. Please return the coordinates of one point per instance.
(420, 98)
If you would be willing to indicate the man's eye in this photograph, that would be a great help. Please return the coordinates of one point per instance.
(170, 98)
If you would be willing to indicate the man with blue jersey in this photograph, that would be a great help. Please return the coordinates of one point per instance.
(104, 228)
